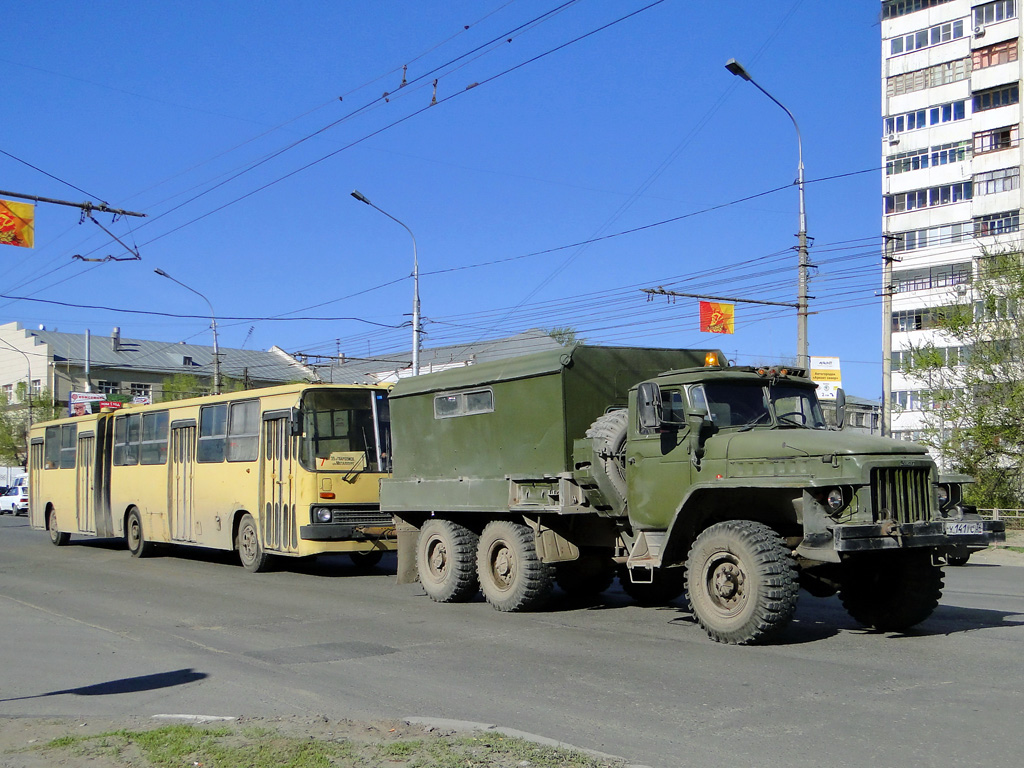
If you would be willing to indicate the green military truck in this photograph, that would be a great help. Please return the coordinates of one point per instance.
(678, 472)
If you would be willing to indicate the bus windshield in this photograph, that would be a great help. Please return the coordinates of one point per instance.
(731, 404)
(345, 431)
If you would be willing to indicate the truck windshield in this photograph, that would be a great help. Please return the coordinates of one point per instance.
(345, 431)
(734, 404)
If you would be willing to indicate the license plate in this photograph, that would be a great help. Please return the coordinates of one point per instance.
(964, 529)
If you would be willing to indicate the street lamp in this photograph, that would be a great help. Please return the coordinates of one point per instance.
(801, 309)
(213, 326)
(416, 331)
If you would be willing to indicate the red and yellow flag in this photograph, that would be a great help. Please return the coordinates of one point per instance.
(17, 224)
(716, 318)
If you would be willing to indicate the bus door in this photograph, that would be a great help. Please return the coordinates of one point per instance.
(36, 509)
(85, 480)
(181, 501)
(280, 533)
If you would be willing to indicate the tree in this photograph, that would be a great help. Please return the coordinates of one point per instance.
(565, 335)
(14, 423)
(973, 381)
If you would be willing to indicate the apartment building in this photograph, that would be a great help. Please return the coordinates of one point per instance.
(951, 153)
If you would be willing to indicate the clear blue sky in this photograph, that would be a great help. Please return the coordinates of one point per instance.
(164, 108)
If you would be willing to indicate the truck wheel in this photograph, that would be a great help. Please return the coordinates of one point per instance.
(57, 536)
(588, 576)
(250, 551)
(135, 537)
(890, 591)
(741, 581)
(608, 438)
(957, 560)
(665, 586)
(512, 577)
(446, 561)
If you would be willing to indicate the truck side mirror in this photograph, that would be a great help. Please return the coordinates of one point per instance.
(295, 423)
(650, 410)
(840, 408)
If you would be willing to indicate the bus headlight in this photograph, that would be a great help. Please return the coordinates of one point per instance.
(323, 515)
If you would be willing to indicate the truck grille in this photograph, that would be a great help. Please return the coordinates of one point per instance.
(903, 495)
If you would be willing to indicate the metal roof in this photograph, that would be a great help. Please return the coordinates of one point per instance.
(119, 353)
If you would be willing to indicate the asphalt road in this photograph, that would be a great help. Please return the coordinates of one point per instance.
(85, 630)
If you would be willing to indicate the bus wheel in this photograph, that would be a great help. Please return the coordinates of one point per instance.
(57, 536)
(133, 534)
(512, 576)
(446, 561)
(254, 558)
(364, 561)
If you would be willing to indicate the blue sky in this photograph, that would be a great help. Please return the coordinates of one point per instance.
(222, 121)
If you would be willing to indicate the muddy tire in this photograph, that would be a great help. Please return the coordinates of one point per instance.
(608, 438)
(588, 576)
(891, 591)
(665, 586)
(446, 561)
(250, 550)
(957, 560)
(741, 581)
(135, 537)
(58, 537)
(512, 576)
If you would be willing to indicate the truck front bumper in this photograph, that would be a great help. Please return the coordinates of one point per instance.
(938, 534)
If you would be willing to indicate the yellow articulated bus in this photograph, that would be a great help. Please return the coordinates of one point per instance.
(291, 470)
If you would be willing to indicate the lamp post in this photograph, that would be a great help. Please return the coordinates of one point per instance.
(416, 331)
(801, 311)
(213, 326)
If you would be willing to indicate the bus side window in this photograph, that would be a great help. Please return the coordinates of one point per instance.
(213, 422)
(154, 437)
(51, 456)
(126, 440)
(243, 431)
(68, 444)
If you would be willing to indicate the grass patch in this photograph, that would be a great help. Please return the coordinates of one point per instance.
(181, 746)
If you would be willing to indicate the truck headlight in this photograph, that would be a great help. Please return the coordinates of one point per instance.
(834, 500)
(323, 514)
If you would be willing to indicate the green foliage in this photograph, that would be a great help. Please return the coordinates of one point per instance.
(565, 335)
(180, 745)
(182, 386)
(976, 392)
(14, 423)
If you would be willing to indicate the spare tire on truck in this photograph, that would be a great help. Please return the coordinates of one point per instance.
(608, 438)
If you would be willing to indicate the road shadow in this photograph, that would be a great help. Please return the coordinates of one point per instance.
(126, 685)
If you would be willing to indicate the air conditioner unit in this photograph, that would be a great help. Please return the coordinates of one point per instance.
(979, 31)
(893, 139)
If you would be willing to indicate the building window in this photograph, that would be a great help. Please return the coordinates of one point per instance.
(994, 98)
(915, 160)
(929, 198)
(140, 390)
(922, 118)
(893, 8)
(930, 77)
(950, 357)
(186, 360)
(995, 139)
(989, 13)
(37, 387)
(108, 387)
(991, 55)
(8, 393)
(923, 38)
(947, 234)
(1002, 180)
(997, 223)
(924, 319)
(924, 278)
